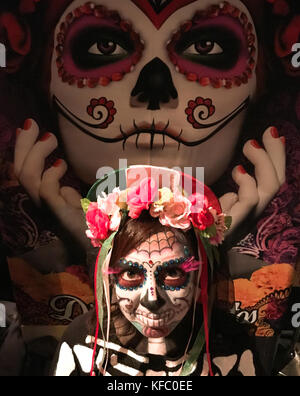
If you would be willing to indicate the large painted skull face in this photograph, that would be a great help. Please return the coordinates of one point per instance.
(153, 82)
(155, 286)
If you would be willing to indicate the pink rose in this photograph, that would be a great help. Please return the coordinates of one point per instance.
(109, 206)
(176, 213)
(141, 197)
(199, 202)
(98, 223)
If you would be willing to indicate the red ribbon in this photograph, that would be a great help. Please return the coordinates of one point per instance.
(204, 301)
(92, 373)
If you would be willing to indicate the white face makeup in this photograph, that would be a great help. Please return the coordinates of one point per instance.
(153, 90)
(153, 288)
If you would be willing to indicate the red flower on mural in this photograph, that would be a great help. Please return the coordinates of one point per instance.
(102, 110)
(204, 108)
(280, 7)
(286, 37)
(27, 6)
(15, 35)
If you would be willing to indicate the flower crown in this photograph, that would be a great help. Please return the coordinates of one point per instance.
(172, 208)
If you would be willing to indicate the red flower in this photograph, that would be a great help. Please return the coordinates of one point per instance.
(16, 37)
(98, 223)
(201, 217)
(204, 107)
(202, 220)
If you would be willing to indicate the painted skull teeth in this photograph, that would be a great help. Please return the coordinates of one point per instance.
(98, 11)
(223, 9)
(161, 318)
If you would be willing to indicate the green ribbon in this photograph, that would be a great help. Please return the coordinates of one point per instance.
(194, 354)
(105, 249)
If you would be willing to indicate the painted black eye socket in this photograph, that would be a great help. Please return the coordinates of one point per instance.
(172, 277)
(215, 47)
(97, 47)
(131, 278)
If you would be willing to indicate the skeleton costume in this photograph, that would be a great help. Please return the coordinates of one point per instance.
(153, 304)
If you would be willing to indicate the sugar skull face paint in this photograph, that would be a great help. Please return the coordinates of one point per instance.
(95, 47)
(155, 285)
(216, 47)
(152, 67)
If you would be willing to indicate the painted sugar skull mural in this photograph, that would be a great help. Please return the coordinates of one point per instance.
(154, 80)
(166, 83)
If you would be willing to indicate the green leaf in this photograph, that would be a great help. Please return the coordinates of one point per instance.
(106, 247)
(212, 231)
(194, 354)
(204, 234)
(228, 221)
(209, 251)
(85, 203)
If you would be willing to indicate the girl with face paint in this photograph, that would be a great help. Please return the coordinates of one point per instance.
(153, 279)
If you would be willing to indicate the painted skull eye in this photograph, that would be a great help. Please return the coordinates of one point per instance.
(216, 47)
(204, 47)
(131, 278)
(173, 277)
(96, 47)
(105, 47)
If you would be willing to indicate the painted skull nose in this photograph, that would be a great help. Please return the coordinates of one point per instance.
(152, 305)
(154, 86)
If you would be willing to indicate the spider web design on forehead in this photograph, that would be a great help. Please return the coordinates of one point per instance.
(155, 244)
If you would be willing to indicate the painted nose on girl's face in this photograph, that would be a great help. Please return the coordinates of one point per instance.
(153, 305)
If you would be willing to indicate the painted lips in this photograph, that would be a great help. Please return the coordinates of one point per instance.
(155, 325)
(155, 333)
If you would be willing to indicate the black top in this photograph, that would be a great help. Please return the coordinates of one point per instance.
(232, 353)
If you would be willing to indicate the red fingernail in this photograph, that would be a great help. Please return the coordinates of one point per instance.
(27, 124)
(45, 137)
(242, 169)
(57, 163)
(274, 132)
(283, 139)
(255, 144)
(18, 131)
